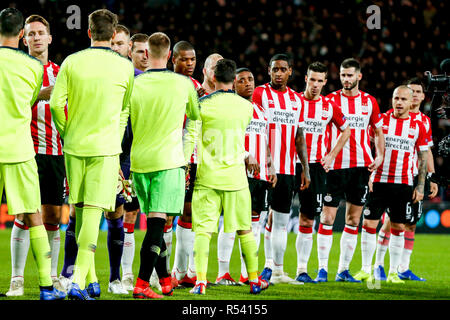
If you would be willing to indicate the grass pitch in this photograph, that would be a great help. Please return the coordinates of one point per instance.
(430, 260)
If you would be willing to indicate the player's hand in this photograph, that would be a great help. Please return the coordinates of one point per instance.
(252, 165)
(45, 93)
(433, 189)
(417, 196)
(375, 164)
(201, 91)
(272, 180)
(326, 162)
(272, 176)
(305, 181)
(370, 185)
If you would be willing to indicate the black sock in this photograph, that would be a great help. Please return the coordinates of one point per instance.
(151, 247)
(161, 266)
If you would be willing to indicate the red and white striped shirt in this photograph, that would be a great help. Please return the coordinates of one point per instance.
(256, 141)
(194, 155)
(316, 116)
(283, 111)
(403, 138)
(425, 120)
(46, 138)
(360, 111)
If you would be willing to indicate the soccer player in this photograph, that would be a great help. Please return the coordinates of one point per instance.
(317, 115)
(98, 97)
(393, 189)
(21, 76)
(286, 138)
(256, 144)
(221, 182)
(184, 61)
(349, 172)
(159, 102)
(49, 160)
(139, 43)
(383, 237)
(120, 240)
(208, 72)
(119, 227)
(192, 129)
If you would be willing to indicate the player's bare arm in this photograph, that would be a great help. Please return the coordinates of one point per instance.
(419, 190)
(379, 148)
(329, 158)
(300, 145)
(272, 172)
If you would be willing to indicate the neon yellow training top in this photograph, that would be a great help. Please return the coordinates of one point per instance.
(159, 101)
(21, 78)
(97, 83)
(225, 117)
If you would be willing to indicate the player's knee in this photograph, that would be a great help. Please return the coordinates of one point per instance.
(370, 223)
(397, 226)
(410, 227)
(51, 214)
(328, 215)
(304, 221)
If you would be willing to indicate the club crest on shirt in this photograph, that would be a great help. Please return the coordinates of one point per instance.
(365, 108)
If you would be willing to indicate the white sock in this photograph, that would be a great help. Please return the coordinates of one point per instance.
(168, 239)
(279, 239)
(368, 246)
(257, 235)
(395, 249)
(382, 246)
(128, 254)
(190, 247)
(349, 240)
(303, 245)
(180, 263)
(54, 240)
(268, 247)
(324, 243)
(225, 244)
(407, 251)
(20, 243)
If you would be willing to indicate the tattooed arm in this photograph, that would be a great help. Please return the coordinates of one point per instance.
(419, 190)
(300, 145)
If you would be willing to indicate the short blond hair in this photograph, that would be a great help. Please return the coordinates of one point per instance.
(159, 45)
(38, 18)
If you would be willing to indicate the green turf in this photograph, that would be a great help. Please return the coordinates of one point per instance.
(430, 260)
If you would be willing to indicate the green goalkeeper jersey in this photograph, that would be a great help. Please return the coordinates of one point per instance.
(20, 82)
(97, 84)
(159, 102)
(224, 119)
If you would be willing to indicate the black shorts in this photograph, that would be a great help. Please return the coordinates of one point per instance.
(258, 190)
(52, 171)
(350, 184)
(280, 197)
(311, 199)
(417, 208)
(394, 198)
(190, 188)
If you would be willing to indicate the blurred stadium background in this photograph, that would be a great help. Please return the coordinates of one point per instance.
(413, 38)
